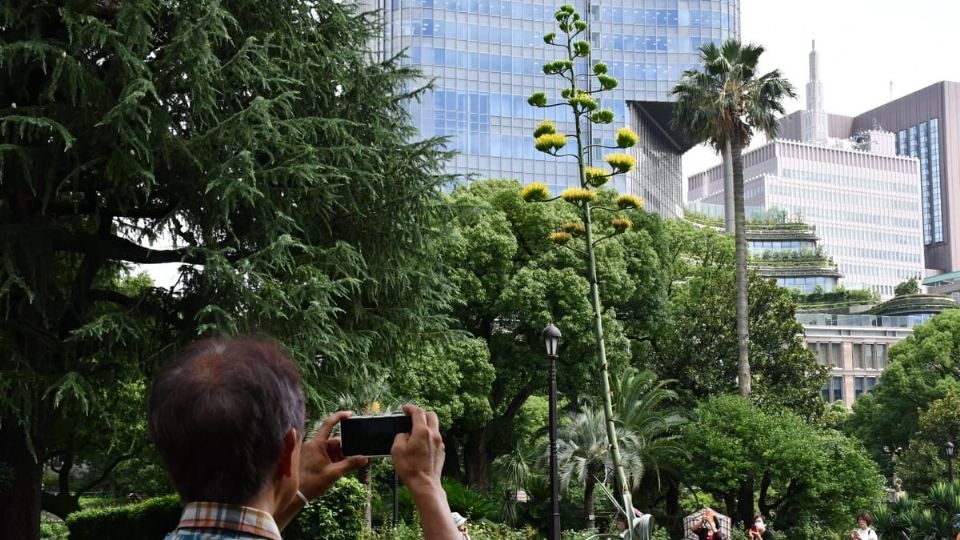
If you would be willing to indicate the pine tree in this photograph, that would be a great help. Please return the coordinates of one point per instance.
(257, 144)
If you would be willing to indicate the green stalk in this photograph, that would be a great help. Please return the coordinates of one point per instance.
(620, 474)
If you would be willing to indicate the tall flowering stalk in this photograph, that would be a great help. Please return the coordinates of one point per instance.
(584, 107)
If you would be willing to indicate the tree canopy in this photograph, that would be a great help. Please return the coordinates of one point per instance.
(806, 479)
(256, 144)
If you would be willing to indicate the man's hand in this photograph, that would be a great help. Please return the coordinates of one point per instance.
(418, 460)
(418, 456)
(322, 462)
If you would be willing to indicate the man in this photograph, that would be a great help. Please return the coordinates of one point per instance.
(227, 417)
(708, 527)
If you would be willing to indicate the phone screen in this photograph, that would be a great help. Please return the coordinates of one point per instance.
(372, 435)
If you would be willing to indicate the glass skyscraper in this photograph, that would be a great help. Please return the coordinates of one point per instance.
(486, 57)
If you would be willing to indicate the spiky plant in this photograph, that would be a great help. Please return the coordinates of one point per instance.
(583, 105)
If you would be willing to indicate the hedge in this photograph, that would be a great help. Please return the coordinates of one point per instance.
(338, 515)
(150, 519)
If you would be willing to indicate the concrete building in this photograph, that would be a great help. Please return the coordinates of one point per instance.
(865, 207)
(486, 57)
(926, 124)
(863, 199)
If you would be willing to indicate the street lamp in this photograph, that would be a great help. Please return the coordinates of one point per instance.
(551, 339)
(948, 448)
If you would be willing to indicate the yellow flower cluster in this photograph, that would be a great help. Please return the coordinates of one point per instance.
(574, 227)
(621, 162)
(549, 142)
(626, 202)
(575, 195)
(535, 192)
(596, 177)
(560, 237)
(626, 137)
(545, 128)
(621, 224)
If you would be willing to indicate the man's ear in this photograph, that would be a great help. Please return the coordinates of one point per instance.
(289, 446)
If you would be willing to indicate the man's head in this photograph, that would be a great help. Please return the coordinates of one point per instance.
(224, 415)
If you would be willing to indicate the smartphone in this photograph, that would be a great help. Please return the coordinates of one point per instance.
(372, 436)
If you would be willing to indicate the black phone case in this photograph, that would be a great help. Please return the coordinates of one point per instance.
(372, 435)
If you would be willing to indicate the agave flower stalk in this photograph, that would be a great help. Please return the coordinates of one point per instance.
(585, 108)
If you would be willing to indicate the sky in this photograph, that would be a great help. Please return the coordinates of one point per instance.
(864, 45)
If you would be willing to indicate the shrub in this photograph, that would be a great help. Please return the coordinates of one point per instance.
(338, 515)
(149, 519)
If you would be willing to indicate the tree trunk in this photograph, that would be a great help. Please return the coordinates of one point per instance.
(476, 460)
(366, 477)
(451, 460)
(729, 212)
(743, 331)
(20, 484)
(744, 514)
(588, 509)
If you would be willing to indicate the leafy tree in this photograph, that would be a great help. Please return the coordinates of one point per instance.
(584, 108)
(924, 462)
(697, 348)
(923, 368)
(512, 284)
(255, 144)
(909, 286)
(803, 477)
(723, 102)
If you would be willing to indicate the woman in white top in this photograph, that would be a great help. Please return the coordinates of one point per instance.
(864, 532)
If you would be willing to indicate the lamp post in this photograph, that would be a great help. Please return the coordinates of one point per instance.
(551, 338)
(949, 449)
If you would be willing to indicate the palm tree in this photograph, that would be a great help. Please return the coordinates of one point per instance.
(724, 102)
(584, 456)
(366, 395)
(648, 414)
(647, 427)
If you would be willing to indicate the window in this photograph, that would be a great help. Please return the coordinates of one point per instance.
(869, 359)
(857, 356)
(881, 356)
(857, 387)
(838, 389)
(871, 383)
(836, 356)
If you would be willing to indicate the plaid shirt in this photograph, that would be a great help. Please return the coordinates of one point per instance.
(216, 521)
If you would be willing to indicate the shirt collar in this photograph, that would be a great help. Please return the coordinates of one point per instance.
(210, 515)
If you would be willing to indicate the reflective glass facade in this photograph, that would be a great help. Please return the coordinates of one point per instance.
(922, 141)
(486, 57)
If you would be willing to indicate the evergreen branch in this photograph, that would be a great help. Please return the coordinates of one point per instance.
(121, 249)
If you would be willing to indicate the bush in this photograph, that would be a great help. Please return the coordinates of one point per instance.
(150, 519)
(338, 515)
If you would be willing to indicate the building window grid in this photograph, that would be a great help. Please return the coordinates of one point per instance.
(933, 178)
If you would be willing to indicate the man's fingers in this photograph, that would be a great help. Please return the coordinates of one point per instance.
(335, 449)
(327, 427)
(417, 415)
(432, 421)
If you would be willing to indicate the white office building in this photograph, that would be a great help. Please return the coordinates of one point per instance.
(863, 199)
(865, 207)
